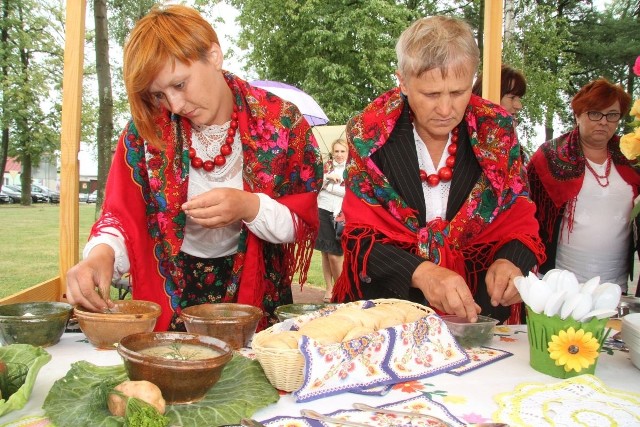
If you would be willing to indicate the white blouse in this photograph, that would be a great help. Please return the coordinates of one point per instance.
(436, 197)
(273, 223)
(599, 240)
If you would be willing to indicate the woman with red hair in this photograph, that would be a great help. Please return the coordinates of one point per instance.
(211, 196)
(584, 188)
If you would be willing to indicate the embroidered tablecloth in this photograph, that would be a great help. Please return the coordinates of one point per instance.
(469, 394)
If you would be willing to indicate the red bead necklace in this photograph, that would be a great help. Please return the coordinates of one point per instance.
(604, 177)
(446, 172)
(225, 149)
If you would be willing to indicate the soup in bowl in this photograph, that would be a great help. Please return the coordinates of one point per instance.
(183, 365)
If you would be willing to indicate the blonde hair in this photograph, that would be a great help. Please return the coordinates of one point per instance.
(436, 42)
(339, 141)
(166, 34)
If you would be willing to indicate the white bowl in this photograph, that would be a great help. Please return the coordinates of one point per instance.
(632, 321)
(634, 355)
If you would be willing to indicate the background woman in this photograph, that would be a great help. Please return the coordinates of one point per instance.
(211, 196)
(513, 87)
(584, 190)
(329, 206)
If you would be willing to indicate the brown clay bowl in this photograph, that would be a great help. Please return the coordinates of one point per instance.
(37, 323)
(233, 323)
(181, 375)
(105, 330)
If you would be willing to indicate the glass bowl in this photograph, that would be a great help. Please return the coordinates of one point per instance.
(471, 334)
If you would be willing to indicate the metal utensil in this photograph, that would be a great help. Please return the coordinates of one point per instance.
(363, 407)
(308, 413)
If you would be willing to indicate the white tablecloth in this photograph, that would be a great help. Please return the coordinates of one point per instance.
(469, 396)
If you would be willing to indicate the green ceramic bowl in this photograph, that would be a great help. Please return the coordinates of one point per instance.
(289, 311)
(39, 323)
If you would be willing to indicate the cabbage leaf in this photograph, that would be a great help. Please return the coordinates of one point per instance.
(27, 355)
(242, 389)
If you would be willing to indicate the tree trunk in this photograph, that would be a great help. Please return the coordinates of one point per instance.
(105, 97)
(25, 179)
(509, 20)
(4, 39)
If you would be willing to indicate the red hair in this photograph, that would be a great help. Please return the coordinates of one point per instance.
(598, 95)
(165, 35)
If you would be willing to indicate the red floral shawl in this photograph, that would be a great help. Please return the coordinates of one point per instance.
(498, 209)
(556, 172)
(146, 188)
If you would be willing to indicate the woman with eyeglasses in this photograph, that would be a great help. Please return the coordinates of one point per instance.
(584, 189)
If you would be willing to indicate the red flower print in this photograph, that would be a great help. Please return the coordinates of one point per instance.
(155, 184)
(209, 278)
(307, 172)
(155, 163)
(409, 387)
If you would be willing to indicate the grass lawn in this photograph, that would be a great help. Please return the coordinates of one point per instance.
(30, 244)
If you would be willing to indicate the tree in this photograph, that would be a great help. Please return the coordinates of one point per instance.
(340, 52)
(31, 60)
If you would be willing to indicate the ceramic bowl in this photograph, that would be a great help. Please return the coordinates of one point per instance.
(191, 365)
(234, 324)
(37, 323)
(289, 311)
(105, 330)
(471, 334)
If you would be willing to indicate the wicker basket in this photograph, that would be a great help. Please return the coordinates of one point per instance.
(285, 367)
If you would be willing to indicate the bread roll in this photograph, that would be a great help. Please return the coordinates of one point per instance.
(283, 340)
(357, 332)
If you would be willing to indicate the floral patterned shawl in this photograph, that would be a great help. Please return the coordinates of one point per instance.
(497, 211)
(556, 172)
(146, 188)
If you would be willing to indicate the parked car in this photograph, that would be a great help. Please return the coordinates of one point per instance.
(51, 195)
(5, 198)
(13, 194)
(35, 196)
(88, 197)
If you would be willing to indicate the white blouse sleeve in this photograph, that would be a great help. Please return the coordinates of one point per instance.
(112, 237)
(274, 222)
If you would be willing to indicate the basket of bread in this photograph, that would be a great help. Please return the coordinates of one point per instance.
(329, 348)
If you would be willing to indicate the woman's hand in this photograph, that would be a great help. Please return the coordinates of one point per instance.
(500, 284)
(333, 178)
(445, 290)
(222, 206)
(89, 281)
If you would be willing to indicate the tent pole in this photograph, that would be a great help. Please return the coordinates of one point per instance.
(492, 56)
(70, 138)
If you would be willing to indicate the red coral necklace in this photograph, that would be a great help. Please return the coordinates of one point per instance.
(446, 172)
(225, 149)
(607, 171)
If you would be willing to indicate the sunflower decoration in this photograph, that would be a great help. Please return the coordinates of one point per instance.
(573, 349)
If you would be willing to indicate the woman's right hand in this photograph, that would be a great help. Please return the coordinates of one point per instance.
(89, 281)
(445, 290)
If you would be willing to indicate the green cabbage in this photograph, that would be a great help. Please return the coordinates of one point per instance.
(32, 359)
(76, 399)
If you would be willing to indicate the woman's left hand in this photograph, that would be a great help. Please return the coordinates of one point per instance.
(500, 284)
(222, 206)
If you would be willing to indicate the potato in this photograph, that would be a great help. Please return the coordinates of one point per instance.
(143, 390)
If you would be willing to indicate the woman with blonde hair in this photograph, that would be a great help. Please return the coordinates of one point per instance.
(329, 208)
(211, 196)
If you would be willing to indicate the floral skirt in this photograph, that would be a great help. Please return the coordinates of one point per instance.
(206, 281)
